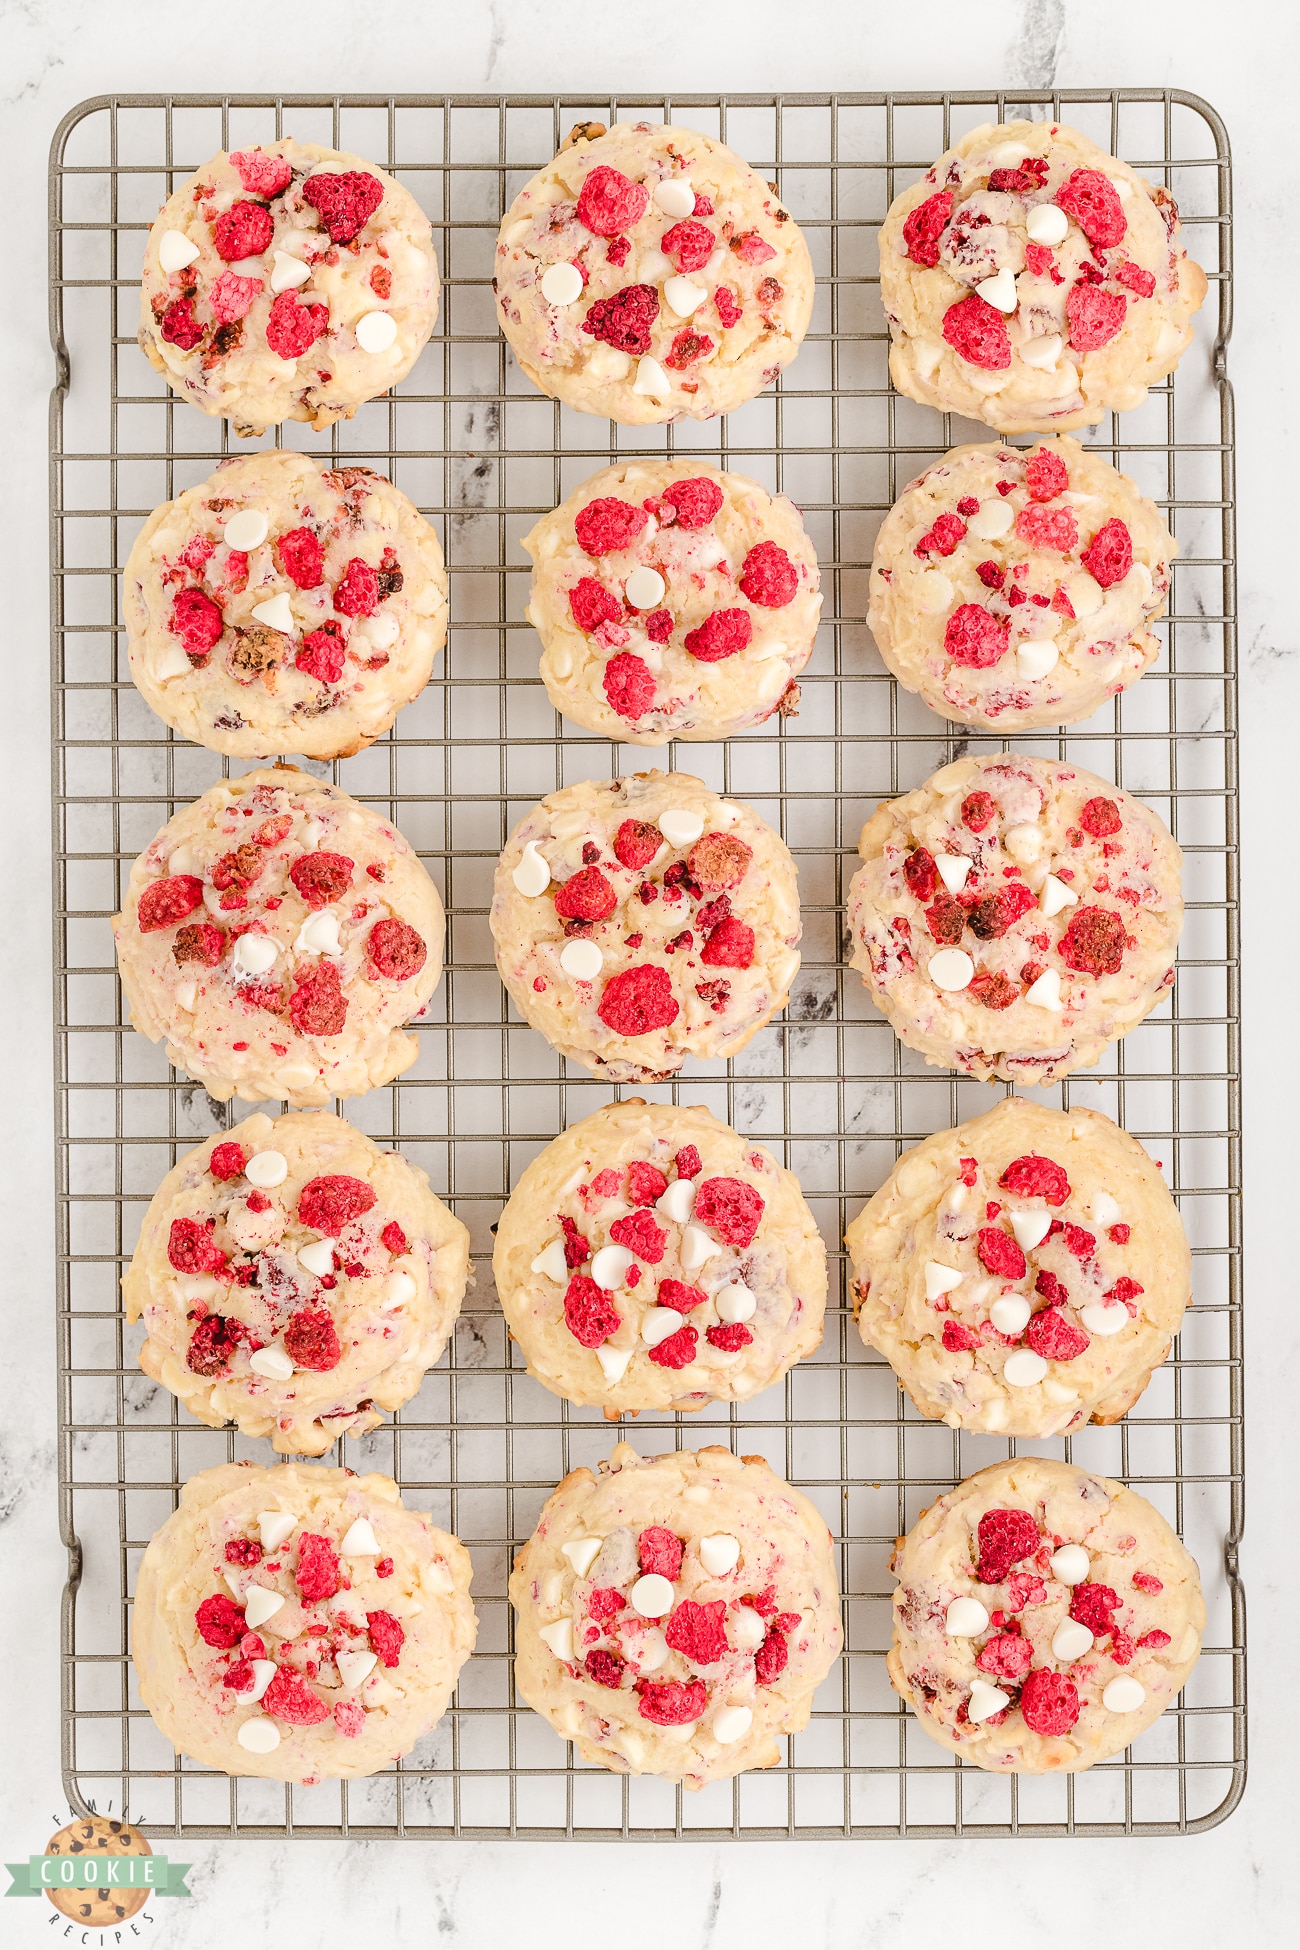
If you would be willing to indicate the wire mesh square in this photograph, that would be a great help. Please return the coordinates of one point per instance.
(827, 1086)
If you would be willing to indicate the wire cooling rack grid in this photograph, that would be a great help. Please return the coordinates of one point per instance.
(827, 1085)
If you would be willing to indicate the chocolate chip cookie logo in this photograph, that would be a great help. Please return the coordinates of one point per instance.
(98, 1873)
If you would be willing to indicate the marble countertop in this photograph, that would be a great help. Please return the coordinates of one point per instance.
(1239, 1880)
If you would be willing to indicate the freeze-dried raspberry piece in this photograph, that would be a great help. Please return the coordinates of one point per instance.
(645, 1182)
(330, 1203)
(290, 1698)
(1049, 1702)
(977, 332)
(586, 896)
(659, 1552)
(349, 1717)
(605, 1602)
(1036, 1177)
(239, 868)
(639, 1233)
(672, 1702)
(698, 1632)
(636, 843)
(318, 1006)
(726, 306)
(676, 1294)
(317, 1575)
(1157, 1640)
(244, 230)
(1040, 262)
(165, 902)
(1109, 556)
(610, 202)
(721, 635)
(772, 1657)
(1046, 475)
(1093, 1605)
(321, 653)
(1093, 201)
(220, 1622)
(1024, 1589)
(678, 1351)
(974, 637)
(731, 945)
(589, 1313)
(310, 1341)
(958, 1339)
(196, 620)
(607, 524)
(638, 1001)
(688, 1162)
(719, 860)
(1135, 278)
(687, 349)
(1125, 1290)
(191, 1249)
(730, 1208)
(769, 577)
(1075, 1240)
(1094, 316)
(1100, 817)
(322, 877)
(227, 1160)
(977, 809)
(239, 1677)
(344, 202)
(292, 328)
(659, 625)
(357, 593)
(943, 537)
(1094, 942)
(1006, 1538)
(231, 297)
(690, 245)
(924, 227)
(605, 1667)
(1048, 528)
(179, 326)
(212, 1345)
(629, 685)
(1008, 1656)
(591, 604)
(577, 1250)
(730, 1336)
(1000, 1253)
(260, 174)
(921, 873)
(624, 320)
(696, 500)
(392, 1238)
(945, 918)
(302, 558)
(1051, 1335)
(993, 991)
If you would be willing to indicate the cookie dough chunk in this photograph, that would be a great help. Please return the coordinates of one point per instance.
(676, 1613)
(1023, 1274)
(1015, 915)
(277, 935)
(299, 1623)
(673, 601)
(1044, 1618)
(1034, 282)
(653, 1258)
(1016, 588)
(284, 607)
(638, 921)
(287, 283)
(296, 1280)
(650, 274)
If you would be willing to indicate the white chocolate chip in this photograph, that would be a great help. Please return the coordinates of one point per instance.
(933, 592)
(1070, 1564)
(532, 876)
(1105, 1211)
(992, 519)
(582, 1553)
(1046, 224)
(1085, 595)
(1030, 1228)
(954, 870)
(1124, 1694)
(748, 1629)
(651, 378)
(681, 828)
(610, 1265)
(382, 632)
(263, 1674)
(1071, 1640)
(940, 1279)
(376, 331)
(1037, 655)
(319, 934)
(254, 955)
(684, 296)
(1010, 1314)
(719, 1554)
(1045, 993)
(273, 1526)
(354, 1667)
(999, 291)
(287, 272)
(735, 1302)
(247, 267)
(1168, 341)
(732, 1723)
(614, 1361)
(561, 284)
(172, 663)
(398, 1290)
(644, 588)
(276, 613)
(651, 1596)
(1024, 842)
(359, 1540)
(260, 1735)
(1043, 352)
(1123, 187)
(607, 362)
(246, 529)
(697, 1247)
(581, 959)
(678, 1202)
(187, 995)
(260, 1604)
(317, 1256)
(1054, 895)
(675, 197)
(985, 1701)
(559, 1638)
(965, 1618)
(1105, 1319)
(175, 251)
(1024, 1368)
(551, 1262)
(658, 1323)
(951, 969)
(272, 1362)
(650, 1650)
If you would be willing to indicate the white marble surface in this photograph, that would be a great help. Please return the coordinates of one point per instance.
(1239, 1882)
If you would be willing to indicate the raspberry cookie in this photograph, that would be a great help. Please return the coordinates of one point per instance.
(673, 601)
(638, 921)
(1015, 915)
(652, 1258)
(1044, 1618)
(287, 283)
(676, 1613)
(1014, 589)
(650, 273)
(295, 1279)
(1023, 1274)
(284, 607)
(299, 1623)
(1034, 282)
(278, 934)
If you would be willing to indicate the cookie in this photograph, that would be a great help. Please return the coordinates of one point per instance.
(1013, 916)
(277, 935)
(649, 273)
(288, 282)
(1034, 282)
(673, 601)
(641, 920)
(1023, 1274)
(104, 1906)
(299, 1623)
(284, 607)
(1044, 1618)
(652, 1258)
(296, 1280)
(1014, 588)
(676, 1614)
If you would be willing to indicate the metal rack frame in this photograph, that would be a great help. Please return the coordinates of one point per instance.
(827, 1085)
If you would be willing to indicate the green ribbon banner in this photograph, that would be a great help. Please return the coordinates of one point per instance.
(47, 1872)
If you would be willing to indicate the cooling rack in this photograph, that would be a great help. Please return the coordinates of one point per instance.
(827, 1086)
